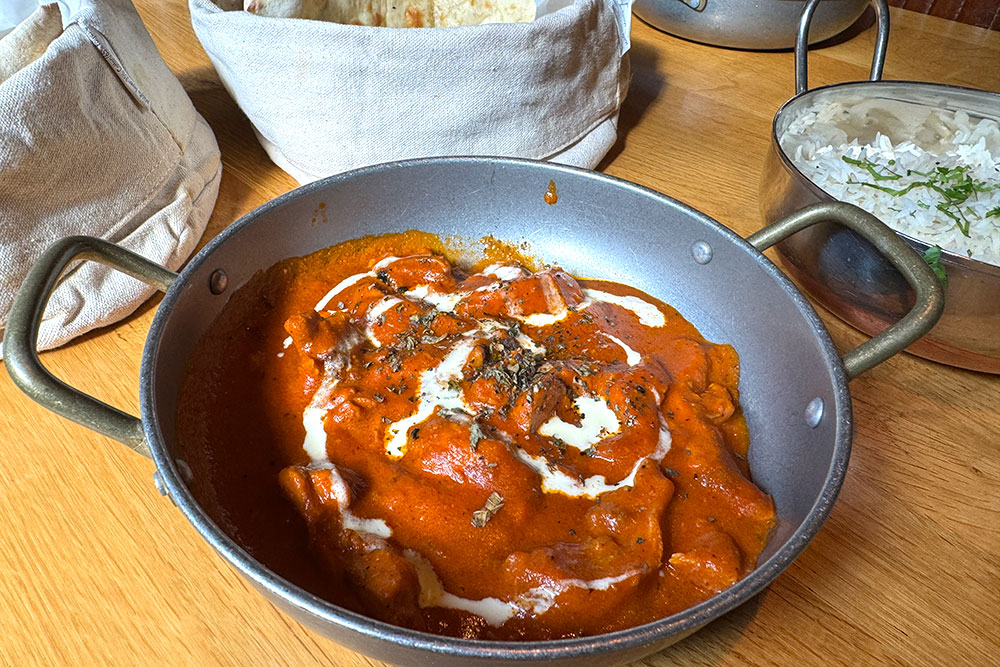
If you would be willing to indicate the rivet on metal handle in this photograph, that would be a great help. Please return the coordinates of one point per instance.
(802, 44)
(702, 252)
(929, 294)
(21, 336)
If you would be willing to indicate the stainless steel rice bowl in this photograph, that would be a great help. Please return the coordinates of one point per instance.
(842, 271)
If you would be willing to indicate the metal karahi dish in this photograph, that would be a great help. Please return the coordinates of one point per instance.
(793, 382)
(844, 273)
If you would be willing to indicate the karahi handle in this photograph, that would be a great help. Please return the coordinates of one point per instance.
(21, 336)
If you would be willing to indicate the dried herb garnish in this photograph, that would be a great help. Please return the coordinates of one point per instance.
(475, 435)
(426, 319)
(509, 365)
(395, 363)
(378, 397)
(671, 472)
(450, 413)
(589, 451)
(406, 341)
(382, 275)
(493, 505)
(640, 540)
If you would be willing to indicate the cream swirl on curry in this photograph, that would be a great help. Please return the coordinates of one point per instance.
(489, 453)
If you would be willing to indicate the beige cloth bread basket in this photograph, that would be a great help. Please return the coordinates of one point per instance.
(324, 97)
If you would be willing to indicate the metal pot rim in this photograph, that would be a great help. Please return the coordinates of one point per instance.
(684, 622)
(785, 109)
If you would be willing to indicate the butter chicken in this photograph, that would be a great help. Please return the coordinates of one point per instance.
(491, 452)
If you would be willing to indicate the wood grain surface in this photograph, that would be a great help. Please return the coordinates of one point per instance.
(97, 568)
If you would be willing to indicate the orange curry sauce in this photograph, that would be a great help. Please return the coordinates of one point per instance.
(490, 453)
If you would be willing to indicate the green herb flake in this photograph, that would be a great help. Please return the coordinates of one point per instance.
(933, 258)
(954, 186)
(872, 169)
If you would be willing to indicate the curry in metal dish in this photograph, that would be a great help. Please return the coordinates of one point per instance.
(491, 452)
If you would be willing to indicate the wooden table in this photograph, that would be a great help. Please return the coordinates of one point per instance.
(97, 568)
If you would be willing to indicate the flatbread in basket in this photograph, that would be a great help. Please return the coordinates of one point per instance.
(398, 13)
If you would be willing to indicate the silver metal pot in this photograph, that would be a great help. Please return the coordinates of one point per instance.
(846, 274)
(793, 384)
(746, 24)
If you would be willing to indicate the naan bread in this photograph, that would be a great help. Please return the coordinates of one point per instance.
(398, 13)
(451, 13)
(358, 12)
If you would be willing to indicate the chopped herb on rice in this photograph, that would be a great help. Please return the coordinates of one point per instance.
(948, 198)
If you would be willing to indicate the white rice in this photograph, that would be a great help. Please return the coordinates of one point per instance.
(818, 139)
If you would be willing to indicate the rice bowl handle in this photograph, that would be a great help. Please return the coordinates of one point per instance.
(802, 44)
(929, 303)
